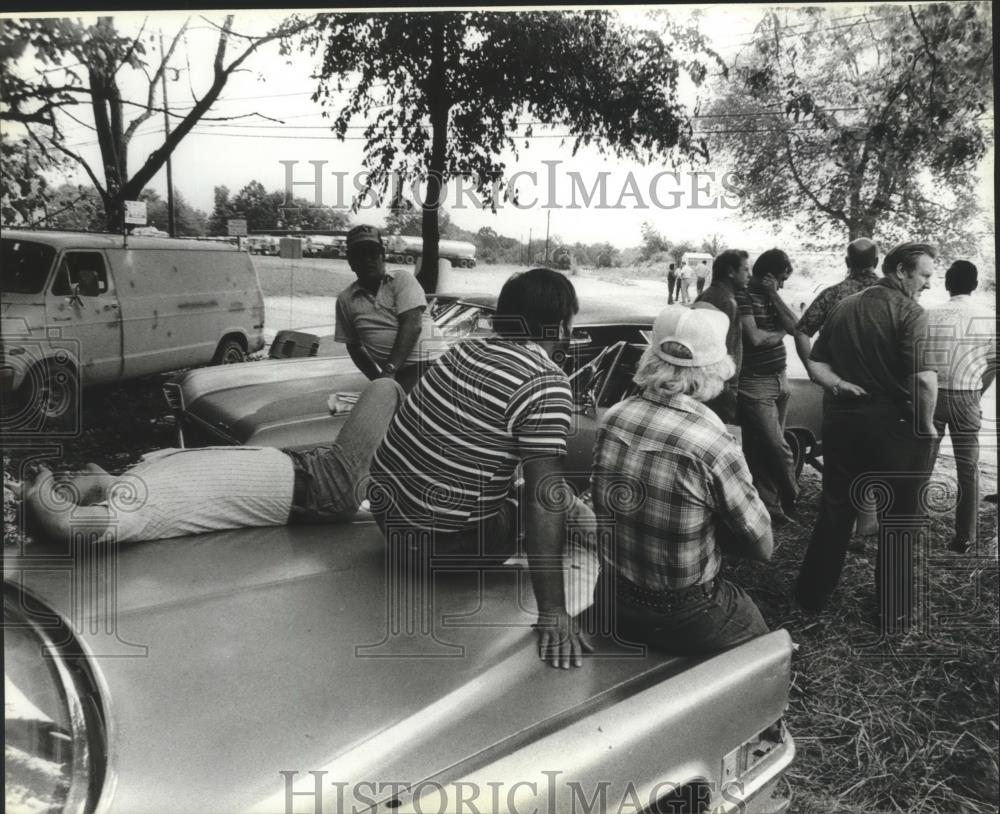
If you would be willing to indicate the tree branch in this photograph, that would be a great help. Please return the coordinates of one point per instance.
(833, 213)
(151, 95)
(83, 163)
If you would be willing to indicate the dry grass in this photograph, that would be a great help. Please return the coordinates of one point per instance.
(910, 726)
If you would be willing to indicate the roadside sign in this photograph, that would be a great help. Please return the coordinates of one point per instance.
(237, 227)
(290, 248)
(135, 212)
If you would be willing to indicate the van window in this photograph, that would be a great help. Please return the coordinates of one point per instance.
(85, 269)
(24, 265)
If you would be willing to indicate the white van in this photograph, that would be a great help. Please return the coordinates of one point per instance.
(97, 311)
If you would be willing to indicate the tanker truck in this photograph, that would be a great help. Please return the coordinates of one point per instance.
(407, 249)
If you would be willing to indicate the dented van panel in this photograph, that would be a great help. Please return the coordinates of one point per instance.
(124, 309)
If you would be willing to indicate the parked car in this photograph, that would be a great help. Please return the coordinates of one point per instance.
(284, 669)
(82, 309)
(276, 670)
(283, 403)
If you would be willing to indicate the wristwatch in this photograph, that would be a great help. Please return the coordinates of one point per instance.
(389, 368)
(836, 388)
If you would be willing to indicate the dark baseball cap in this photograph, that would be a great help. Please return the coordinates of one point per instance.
(363, 234)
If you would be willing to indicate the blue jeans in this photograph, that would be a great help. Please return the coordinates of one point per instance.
(959, 412)
(334, 477)
(761, 409)
(695, 621)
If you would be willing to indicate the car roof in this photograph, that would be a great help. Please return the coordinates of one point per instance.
(107, 240)
(593, 311)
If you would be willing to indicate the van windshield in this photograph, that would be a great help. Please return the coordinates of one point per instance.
(24, 265)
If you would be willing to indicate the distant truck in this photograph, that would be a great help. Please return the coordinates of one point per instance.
(407, 249)
(562, 259)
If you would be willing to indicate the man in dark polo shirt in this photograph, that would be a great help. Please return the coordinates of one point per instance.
(878, 431)
(763, 386)
(862, 266)
(730, 273)
(382, 317)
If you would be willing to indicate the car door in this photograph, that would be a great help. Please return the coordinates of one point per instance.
(82, 306)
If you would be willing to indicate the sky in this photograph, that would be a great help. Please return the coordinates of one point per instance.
(282, 134)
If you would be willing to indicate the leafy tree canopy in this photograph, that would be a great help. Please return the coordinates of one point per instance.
(265, 210)
(872, 122)
(57, 66)
(446, 93)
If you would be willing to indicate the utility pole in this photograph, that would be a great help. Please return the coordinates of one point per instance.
(548, 219)
(166, 127)
(529, 249)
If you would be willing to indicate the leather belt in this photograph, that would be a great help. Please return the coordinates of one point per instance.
(300, 488)
(663, 598)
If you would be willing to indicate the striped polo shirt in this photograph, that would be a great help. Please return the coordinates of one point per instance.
(449, 457)
(754, 301)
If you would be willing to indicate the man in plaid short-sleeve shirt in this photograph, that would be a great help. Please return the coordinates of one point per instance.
(674, 489)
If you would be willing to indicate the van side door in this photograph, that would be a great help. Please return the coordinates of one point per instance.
(81, 305)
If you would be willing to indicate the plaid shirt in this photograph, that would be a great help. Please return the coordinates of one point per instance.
(671, 477)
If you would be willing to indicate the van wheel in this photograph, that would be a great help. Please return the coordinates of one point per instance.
(229, 352)
(47, 400)
(409, 260)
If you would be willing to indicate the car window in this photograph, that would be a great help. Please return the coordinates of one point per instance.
(607, 378)
(84, 269)
(24, 265)
(460, 320)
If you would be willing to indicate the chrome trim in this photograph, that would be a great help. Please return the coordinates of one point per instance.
(75, 666)
(174, 395)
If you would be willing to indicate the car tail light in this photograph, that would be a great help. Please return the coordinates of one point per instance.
(54, 724)
(174, 395)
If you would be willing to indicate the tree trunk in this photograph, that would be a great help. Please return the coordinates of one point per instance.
(439, 107)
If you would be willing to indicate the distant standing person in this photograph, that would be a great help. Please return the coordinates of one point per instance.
(763, 387)
(382, 316)
(862, 263)
(730, 273)
(962, 345)
(701, 274)
(878, 431)
(684, 283)
(671, 283)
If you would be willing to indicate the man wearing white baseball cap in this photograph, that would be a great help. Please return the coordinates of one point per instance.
(674, 487)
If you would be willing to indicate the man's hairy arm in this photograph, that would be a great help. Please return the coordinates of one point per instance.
(363, 361)
(925, 389)
(757, 337)
(560, 642)
(407, 336)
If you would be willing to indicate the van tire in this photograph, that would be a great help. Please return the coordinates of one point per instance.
(48, 400)
(230, 351)
(409, 260)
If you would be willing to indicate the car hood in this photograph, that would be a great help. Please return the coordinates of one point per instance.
(231, 657)
(282, 403)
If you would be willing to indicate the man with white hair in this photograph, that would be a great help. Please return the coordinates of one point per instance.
(672, 487)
